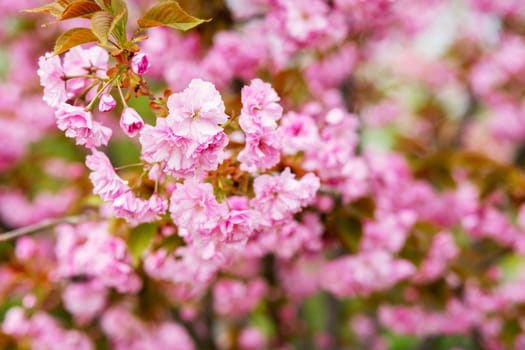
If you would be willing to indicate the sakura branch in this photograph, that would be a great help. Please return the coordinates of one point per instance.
(41, 226)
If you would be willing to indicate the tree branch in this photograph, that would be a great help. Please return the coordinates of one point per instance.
(44, 224)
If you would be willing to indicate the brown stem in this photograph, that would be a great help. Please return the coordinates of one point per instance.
(45, 224)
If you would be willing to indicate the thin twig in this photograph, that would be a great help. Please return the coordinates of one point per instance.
(45, 224)
(129, 166)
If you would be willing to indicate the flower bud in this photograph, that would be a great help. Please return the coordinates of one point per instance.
(131, 122)
(106, 103)
(140, 63)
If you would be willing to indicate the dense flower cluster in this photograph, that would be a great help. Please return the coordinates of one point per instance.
(292, 174)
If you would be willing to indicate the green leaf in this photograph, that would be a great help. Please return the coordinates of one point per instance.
(83, 8)
(72, 38)
(170, 14)
(123, 151)
(118, 5)
(363, 207)
(260, 320)
(401, 342)
(139, 240)
(120, 20)
(118, 25)
(171, 243)
(101, 25)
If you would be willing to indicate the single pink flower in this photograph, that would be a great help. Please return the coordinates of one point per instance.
(299, 133)
(199, 109)
(106, 103)
(261, 151)
(260, 107)
(79, 62)
(137, 210)
(193, 207)
(237, 226)
(162, 144)
(52, 79)
(106, 183)
(77, 122)
(140, 63)
(279, 197)
(130, 207)
(131, 122)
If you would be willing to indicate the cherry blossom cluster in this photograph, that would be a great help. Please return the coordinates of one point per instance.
(290, 174)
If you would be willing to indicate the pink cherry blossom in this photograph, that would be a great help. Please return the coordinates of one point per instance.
(198, 110)
(278, 197)
(193, 207)
(140, 63)
(16, 210)
(137, 210)
(261, 151)
(126, 331)
(186, 269)
(85, 300)
(131, 122)
(299, 133)
(43, 331)
(236, 226)
(233, 297)
(106, 183)
(77, 122)
(251, 339)
(76, 246)
(304, 22)
(107, 103)
(260, 107)
(173, 144)
(52, 79)
(364, 273)
(162, 144)
(82, 61)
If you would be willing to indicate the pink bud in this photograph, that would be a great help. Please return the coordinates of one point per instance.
(131, 122)
(140, 63)
(106, 103)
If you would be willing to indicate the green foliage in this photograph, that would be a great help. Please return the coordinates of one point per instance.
(120, 20)
(314, 312)
(404, 342)
(82, 8)
(140, 238)
(123, 152)
(56, 145)
(382, 138)
(401, 342)
(262, 321)
(72, 38)
(101, 23)
(108, 18)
